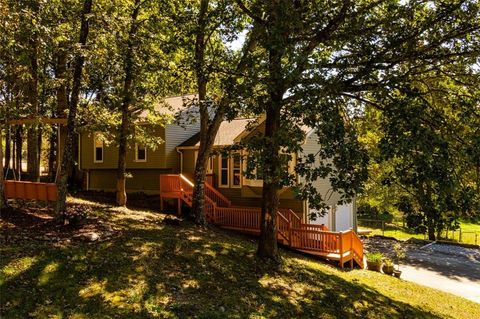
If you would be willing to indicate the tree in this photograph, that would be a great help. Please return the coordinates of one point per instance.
(427, 134)
(318, 62)
(132, 75)
(73, 106)
(126, 104)
(218, 72)
(3, 202)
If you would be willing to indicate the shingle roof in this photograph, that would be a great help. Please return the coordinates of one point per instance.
(226, 133)
(172, 105)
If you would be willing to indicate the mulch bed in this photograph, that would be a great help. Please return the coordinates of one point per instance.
(28, 220)
(384, 245)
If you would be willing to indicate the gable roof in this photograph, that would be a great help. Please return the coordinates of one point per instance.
(226, 135)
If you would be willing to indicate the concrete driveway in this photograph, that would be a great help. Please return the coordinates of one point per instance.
(448, 268)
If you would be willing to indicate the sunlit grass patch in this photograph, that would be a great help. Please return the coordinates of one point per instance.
(15, 267)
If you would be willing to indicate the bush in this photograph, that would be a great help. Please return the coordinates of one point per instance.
(367, 211)
(374, 257)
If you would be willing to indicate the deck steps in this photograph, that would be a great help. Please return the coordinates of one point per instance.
(315, 240)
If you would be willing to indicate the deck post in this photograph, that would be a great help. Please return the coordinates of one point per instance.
(351, 249)
(179, 207)
(340, 249)
(161, 203)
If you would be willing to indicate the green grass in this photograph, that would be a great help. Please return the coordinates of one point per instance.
(468, 232)
(157, 271)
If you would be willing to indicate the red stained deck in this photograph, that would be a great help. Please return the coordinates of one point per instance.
(291, 231)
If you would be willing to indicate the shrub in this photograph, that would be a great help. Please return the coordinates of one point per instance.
(375, 257)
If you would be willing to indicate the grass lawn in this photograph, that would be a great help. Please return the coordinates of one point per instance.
(469, 230)
(155, 270)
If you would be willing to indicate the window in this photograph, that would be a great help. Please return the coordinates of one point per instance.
(256, 175)
(98, 148)
(223, 176)
(140, 153)
(236, 170)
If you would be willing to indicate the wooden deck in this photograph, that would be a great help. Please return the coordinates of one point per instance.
(291, 230)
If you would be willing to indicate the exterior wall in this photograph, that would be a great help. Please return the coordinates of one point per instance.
(323, 185)
(155, 158)
(245, 195)
(142, 180)
(344, 217)
(188, 161)
(341, 217)
(174, 136)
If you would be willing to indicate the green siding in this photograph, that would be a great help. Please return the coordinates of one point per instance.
(141, 180)
(188, 161)
(155, 158)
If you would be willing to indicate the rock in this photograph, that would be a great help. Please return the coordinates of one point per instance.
(172, 221)
(90, 236)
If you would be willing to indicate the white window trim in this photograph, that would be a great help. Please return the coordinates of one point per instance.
(95, 148)
(220, 172)
(137, 160)
(231, 175)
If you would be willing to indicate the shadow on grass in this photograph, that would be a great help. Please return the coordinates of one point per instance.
(159, 271)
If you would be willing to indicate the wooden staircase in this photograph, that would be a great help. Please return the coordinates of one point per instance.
(316, 240)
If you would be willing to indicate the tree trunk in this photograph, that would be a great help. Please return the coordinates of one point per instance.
(62, 104)
(267, 245)
(431, 230)
(67, 159)
(127, 100)
(8, 149)
(200, 173)
(33, 133)
(18, 151)
(52, 155)
(3, 203)
(198, 198)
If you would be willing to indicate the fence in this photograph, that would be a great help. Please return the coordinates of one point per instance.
(398, 230)
(462, 236)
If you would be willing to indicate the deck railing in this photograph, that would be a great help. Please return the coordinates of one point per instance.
(315, 240)
(291, 230)
(30, 190)
(170, 183)
(216, 196)
(246, 218)
(284, 228)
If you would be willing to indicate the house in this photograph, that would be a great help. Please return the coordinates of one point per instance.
(98, 161)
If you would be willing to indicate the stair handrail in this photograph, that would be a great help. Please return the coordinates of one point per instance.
(286, 235)
(209, 188)
(218, 194)
(356, 240)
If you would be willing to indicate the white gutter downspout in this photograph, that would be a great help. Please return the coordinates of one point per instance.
(181, 159)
